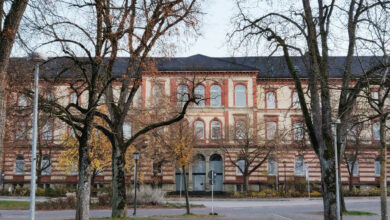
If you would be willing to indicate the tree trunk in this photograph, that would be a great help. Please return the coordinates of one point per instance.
(246, 182)
(155, 182)
(350, 184)
(118, 182)
(84, 182)
(7, 39)
(328, 185)
(383, 177)
(186, 190)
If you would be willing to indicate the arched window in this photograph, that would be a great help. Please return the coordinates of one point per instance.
(240, 94)
(272, 166)
(199, 129)
(182, 95)
(19, 165)
(199, 94)
(45, 165)
(376, 131)
(216, 130)
(199, 173)
(215, 96)
(241, 129)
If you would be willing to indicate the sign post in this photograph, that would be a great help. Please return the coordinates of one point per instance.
(212, 174)
(307, 179)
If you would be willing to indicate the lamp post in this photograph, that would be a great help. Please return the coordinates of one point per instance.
(37, 58)
(136, 158)
(335, 124)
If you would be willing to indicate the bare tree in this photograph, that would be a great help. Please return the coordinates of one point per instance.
(251, 153)
(307, 31)
(133, 28)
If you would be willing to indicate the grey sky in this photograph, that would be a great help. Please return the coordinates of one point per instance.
(216, 24)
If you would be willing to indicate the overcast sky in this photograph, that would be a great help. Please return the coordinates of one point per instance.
(216, 24)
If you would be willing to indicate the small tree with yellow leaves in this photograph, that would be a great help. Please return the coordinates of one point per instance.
(180, 142)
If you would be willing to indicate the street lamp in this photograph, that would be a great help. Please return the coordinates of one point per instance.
(335, 124)
(136, 158)
(37, 58)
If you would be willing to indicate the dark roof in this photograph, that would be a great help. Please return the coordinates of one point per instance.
(267, 67)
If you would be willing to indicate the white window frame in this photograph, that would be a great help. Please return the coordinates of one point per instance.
(22, 101)
(377, 165)
(199, 129)
(295, 100)
(240, 129)
(376, 131)
(241, 164)
(47, 131)
(44, 163)
(299, 131)
(213, 126)
(299, 170)
(215, 96)
(272, 166)
(240, 95)
(182, 94)
(73, 98)
(270, 99)
(126, 129)
(19, 170)
(200, 91)
(271, 135)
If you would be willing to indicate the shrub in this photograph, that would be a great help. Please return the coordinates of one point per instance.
(54, 204)
(146, 195)
(104, 199)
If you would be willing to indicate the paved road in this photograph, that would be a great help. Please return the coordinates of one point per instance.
(297, 209)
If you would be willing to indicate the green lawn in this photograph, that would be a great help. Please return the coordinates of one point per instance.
(12, 205)
(358, 213)
(121, 218)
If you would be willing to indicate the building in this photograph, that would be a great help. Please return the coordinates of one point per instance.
(255, 91)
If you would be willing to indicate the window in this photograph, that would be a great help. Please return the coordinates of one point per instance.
(102, 99)
(126, 130)
(138, 97)
(295, 101)
(240, 163)
(157, 93)
(377, 167)
(73, 98)
(215, 96)
(199, 94)
(355, 170)
(272, 166)
(375, 97)
(182, 95)
(240, 95)
(376, 131)
(351, 132)
(45, 165)
(22, 101)
(21, 133)
(47, 131)
(216, 130)
(199, 129)
(240, 129)
(49, 96)
(270, 100)
(271, 130)
(298, 131)
(19, 165)
(299, 166)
